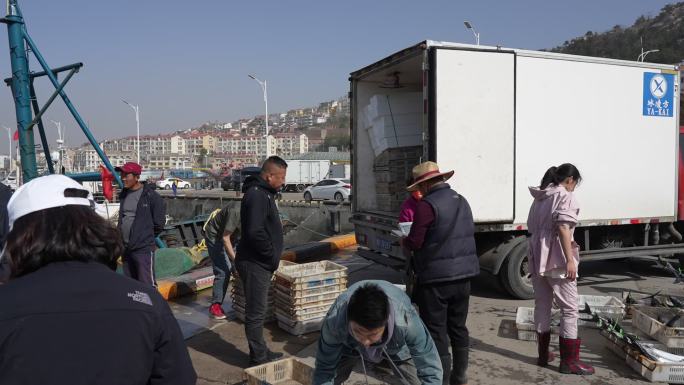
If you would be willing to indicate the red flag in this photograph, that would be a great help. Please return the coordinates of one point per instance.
(107, 179)
(16, 135)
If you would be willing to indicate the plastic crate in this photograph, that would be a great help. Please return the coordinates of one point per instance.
(646, 319)
(301, 289)
(288, 371)
(309, 275)
(299, 328)
(653, 371)
(318, 307)
(292, 318)
(603, 305)
(524, 322)
(304, 300)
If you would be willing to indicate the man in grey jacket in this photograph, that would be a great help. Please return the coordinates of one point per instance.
(374, 321)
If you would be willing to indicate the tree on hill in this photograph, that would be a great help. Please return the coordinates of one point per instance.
(664, 32)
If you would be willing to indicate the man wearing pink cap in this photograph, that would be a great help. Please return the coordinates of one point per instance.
(142, 216)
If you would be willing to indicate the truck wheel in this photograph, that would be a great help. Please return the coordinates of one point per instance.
(515, 273)
(300, 187)
(307, 197)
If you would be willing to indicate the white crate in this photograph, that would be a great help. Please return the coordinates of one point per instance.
(310, 275)
(339, 284)
(305, 300)
(292, 318)
(603, 305)
(653, 371)
(645, 318)
(288, 371)
(524, 320)
(317, 307)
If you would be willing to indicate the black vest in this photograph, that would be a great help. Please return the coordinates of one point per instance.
(448, 251)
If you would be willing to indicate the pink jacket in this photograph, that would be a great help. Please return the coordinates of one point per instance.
(408, 209)
(551, 207)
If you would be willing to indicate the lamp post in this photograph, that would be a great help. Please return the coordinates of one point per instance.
(643, 54)
(60, 143)
(137, 123)
(264, 88)
(469, 26)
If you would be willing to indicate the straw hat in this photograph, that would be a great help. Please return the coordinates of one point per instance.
(426, 171)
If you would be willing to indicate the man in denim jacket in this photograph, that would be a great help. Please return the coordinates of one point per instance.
(374, 321)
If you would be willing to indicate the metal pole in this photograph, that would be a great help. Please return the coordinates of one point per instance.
(137, 125)
(71, 108)
(266, 104)
(20, 90)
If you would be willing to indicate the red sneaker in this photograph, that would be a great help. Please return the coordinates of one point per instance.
(216, 312)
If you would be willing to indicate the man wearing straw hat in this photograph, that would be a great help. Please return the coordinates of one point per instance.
(444, 259)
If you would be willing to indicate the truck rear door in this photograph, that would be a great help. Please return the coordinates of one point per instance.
(472, 126)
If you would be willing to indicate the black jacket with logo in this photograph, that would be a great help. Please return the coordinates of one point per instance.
(262, 231)
(150, 218)
(82, 323)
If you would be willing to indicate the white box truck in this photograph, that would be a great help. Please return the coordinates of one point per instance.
(304, 173)
(342, 171)
(500, 117)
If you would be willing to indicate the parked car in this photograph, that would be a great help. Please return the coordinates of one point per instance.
(337, 189)
(167, 182)
(237, 178)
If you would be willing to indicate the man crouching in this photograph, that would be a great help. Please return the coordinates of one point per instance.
(374, 321)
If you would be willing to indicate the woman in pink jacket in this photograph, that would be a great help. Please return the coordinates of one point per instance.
(554, 259)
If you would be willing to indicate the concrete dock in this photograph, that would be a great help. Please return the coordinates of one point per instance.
(219, 349)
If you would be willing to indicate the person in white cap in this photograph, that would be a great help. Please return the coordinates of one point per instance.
(66, 317)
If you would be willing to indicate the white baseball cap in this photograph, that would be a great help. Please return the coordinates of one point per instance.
(43, 193)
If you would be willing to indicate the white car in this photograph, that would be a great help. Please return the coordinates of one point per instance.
(337, 189)
(166, 183)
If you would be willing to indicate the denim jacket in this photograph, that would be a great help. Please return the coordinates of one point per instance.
(410, 338)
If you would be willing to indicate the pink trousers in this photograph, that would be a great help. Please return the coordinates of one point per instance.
(565, 293)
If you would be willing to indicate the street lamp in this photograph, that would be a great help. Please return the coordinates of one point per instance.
(472, 29)
(264, 88)
(137, 123)
(60, 143)
(643, 54)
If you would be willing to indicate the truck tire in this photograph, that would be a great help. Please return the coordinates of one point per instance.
(300, 187)
(515, 273)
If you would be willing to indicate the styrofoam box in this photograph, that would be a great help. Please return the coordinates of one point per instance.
(645, 318)
(411, 102)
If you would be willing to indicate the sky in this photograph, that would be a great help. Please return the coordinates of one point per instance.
(186, 62)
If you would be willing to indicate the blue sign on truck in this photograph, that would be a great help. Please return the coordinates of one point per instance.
(658, 94)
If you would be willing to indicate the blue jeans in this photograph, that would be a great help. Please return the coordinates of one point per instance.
(222, 267)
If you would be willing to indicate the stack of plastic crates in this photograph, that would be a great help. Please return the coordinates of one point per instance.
(237, 293)
(304, 293)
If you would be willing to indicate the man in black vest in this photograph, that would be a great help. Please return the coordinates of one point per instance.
(444, 259)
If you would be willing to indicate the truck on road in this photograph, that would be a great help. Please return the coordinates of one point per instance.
(500, 117)
(304, 173)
